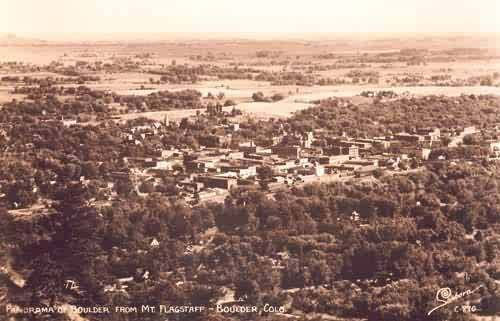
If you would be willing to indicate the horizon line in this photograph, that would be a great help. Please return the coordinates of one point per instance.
(230, 35)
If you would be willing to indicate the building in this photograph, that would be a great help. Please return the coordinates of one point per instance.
(248, 147)
(319, 170)
(416, 152)
(235, 155)
(364, 162)
(202, 165)
(365, 170)
(380, 143)
(352, 151)
(431, 135)
(166, 153)
(218, 182)
(286, 151)
(469, 130)
(333, 160)
(307, 140)
(360, 143)
(158, 164)
(206, 195)
(495, 148)
(409, 138)
(283, 167)
(241, 171)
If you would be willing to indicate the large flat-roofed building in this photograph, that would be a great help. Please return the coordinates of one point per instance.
(382, 143)
(218, 182)
(242, 171)
(410, 138)
(334, 160)
(351, 151)
(286, 151)
(365, 170)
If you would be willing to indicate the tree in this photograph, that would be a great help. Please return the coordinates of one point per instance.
(258, 97)
(70, 253)
(277, 97)
(146, 187)
(390, 312)
(470, 140)
(248, 290)
(184, 124)
(21, 193)
(124, 187)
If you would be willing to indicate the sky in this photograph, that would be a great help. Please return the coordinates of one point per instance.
(29, 17)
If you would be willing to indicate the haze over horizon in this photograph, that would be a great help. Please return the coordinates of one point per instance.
(58, 19)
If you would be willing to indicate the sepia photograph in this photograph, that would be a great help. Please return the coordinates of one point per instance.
(279, 160)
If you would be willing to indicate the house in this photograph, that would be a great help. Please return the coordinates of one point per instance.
(319, 170)
(191, 186)
(303, 161)
(495, 148)
(166, 153)
(386, 160)
(235, 155)
(69, 122)
(430, 134)
(307, 178)
(307, 139)
(206, 195)
(154, 243)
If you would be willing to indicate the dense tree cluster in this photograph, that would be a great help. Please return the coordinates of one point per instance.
(380, 118)
(44, 101)
(350, 249)
(177, 74)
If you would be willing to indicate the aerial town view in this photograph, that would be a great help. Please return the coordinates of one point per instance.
(285, 163)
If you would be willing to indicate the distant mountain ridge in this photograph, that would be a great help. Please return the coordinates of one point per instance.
(11, 39)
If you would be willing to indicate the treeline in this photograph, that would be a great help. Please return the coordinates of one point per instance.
(49, 81)
(177, 74)
(381, 118)
(43, 101)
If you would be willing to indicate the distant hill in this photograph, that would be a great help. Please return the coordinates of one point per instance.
(11, 39)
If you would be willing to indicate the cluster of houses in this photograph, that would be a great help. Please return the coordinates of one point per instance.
(214, 169)
(286, 159)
